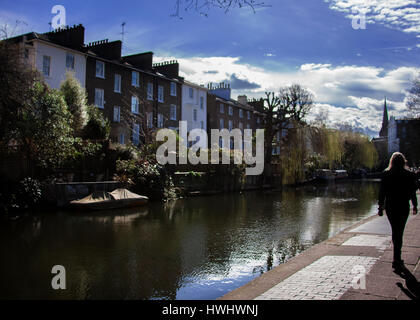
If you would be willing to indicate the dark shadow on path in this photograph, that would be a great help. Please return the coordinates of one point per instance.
(412, 286)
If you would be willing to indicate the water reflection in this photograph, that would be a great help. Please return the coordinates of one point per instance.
(198, 248)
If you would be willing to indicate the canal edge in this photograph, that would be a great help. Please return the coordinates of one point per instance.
(330, 246)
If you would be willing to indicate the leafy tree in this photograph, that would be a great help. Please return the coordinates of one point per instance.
(76, 99)
(42, 127)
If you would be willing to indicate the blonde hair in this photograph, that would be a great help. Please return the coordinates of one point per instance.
(397, 161)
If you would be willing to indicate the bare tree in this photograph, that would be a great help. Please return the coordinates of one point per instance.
(203, 6)
(413, 100)
(285, 112)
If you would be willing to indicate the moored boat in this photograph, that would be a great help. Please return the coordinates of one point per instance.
(102, 200)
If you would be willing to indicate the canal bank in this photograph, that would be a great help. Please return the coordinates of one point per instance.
(356, 264)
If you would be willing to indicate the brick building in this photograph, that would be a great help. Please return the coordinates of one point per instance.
(135, 94)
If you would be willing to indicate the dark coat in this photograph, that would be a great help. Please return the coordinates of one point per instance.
(398, 187)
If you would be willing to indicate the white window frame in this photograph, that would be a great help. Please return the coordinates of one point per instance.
(136, 134)
(149, 119)
(135, 79)
(191, 93)
(202, 103)
(134, 104)
(221, 123)
(160, 121)
(230, 111)
(71, 67)
(149, 91)
(122, 138)
(117, 114)
(241, 113)
(46, 63)
(230, 125)
(202, 124)
(117, 89)
(100, 104)
(99, 75)
(222, 108)
(173, 89)
(173, 112)
(195, 114)
(161, 95)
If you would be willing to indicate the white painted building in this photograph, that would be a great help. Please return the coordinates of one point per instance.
(194, 107)
(53, 61)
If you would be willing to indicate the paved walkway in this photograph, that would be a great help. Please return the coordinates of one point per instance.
(354, 265)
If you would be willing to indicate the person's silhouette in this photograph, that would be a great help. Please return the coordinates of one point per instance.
(398, 187)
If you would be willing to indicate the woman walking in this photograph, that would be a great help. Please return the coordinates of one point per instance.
(398, 187)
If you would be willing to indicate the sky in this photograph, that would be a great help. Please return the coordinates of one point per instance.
(309, 42)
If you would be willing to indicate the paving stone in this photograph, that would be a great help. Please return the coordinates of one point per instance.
(365, 240)
(336, 271)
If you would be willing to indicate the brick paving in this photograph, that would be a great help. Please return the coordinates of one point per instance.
(331, 269)
(327, 278)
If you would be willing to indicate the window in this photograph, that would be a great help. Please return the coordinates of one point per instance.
(173, 89)
(191, 92)
(230, 111)
(202, 124)
(135, 79)
(232, 143)
(241, 126)
(221, 123)
(70, 61)
(201, 103)
(258, 120)
(117, 114)
(221, 142)
(248, 126)
(117, 83)
(136, 134)
(241, 113)
(134, 105)
(222, 108)
(150, 120)
(100, 69)
(230, 125)
(46, 66)
(160, 94)
(26, 54)
(149, 91)
(248, 115)
(160, 120)
(173, 112)
(122, 138)
(99, 98)
(195, 114)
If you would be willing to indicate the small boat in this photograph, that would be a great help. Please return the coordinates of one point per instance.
(102, 200)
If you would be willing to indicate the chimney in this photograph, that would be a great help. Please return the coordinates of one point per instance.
(142, 61)
(105, 49)
(70, 37)
(243, 99)
(169, 69)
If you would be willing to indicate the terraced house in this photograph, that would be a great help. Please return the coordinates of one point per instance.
(227, 113)
(137, 95)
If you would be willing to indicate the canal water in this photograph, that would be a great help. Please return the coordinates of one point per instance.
(196, 248)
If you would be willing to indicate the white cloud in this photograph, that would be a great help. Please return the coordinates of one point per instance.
(350, 93)
(398, 14)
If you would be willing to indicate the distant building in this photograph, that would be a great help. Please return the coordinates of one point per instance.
(194, 108)
(226, 113)
(381, 143)
(404, 136)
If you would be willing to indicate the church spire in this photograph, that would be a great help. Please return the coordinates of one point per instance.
(384, 129)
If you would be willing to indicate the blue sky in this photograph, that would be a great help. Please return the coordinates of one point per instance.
(310, 42)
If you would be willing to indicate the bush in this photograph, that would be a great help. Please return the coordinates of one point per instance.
(149, 179)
